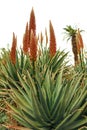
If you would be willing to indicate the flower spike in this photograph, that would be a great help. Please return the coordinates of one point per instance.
(52, 40)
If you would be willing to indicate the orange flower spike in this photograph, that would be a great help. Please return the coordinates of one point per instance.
(52, 40)
(32, 22)
(33, 46)
(26, 40)
(13, 50)
(80, 40)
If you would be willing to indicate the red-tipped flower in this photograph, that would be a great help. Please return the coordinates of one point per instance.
(26, 40)
(32, 22)
(52, 40)
(32, 25)
(33, 46)
(13, 49)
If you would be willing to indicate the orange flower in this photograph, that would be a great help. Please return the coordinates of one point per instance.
(52, 40)
(26, 40)
(13, 50)
(32, 25)
(32, 22)
(33, 46)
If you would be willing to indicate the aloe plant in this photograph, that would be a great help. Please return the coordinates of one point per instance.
(40, 91)
(55, 106)
(44, 98)
(23, 63)
(74, 35)
(41, 97)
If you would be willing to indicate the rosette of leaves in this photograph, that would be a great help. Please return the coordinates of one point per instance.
(48, 105)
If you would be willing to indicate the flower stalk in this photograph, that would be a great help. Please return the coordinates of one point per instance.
(13, 49)
(52, 40)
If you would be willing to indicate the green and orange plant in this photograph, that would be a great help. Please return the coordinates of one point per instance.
(41, 91)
